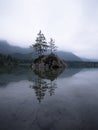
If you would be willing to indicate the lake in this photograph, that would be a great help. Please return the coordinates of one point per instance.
(61, 100)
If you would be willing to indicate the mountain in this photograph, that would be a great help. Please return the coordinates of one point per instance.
(68, 56)
(6, 48)
(15, 51)
(89, 60)
(25, 53)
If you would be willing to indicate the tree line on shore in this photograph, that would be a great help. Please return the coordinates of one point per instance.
(7, 60)
(40, 48)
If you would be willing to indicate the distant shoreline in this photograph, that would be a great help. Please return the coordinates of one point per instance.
(71, 64)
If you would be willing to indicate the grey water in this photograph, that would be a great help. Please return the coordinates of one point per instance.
(32, 101)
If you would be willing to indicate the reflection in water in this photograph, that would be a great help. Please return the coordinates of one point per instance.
(70, 72)
(46, 81)
(73, 107)
(22, 73)
(16, 74)
(51, 75)
(41, 85)
(52, 87)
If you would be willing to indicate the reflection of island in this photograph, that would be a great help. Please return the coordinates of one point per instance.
(8, 75)
(45, 82)
(51, 74)
(41, 86)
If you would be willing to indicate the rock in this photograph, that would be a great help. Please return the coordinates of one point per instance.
(47, 62)
(49, 74)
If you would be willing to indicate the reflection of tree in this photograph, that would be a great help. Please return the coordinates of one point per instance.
(45, 82)
(52, 86)
(40, 87)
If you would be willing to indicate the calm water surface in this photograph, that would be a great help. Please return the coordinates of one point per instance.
(67, 101)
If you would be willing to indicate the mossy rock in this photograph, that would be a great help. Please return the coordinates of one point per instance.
(47, 62)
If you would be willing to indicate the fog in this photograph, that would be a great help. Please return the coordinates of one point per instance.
(72, 23)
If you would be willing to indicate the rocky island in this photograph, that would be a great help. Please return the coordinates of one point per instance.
(48, 62)
(46, 59)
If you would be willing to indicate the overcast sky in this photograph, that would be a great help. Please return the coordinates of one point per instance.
(72, 23)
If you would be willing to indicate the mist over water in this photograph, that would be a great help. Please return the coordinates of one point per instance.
(66, 100)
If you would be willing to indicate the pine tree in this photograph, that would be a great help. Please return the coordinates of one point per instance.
(52, 45)
(40, 45)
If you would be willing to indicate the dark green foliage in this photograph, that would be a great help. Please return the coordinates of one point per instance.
(51, 58)
(40, 46)
(7, 60)
(81, 64)
(37, 60)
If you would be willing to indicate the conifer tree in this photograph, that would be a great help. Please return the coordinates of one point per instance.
(40, 45)
(52, 45)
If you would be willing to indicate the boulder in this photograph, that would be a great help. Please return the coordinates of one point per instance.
(48, 62)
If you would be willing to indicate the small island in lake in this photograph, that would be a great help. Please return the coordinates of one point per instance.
(46, 59)
(48, 62)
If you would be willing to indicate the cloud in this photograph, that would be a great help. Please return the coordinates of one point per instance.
(72, 23)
